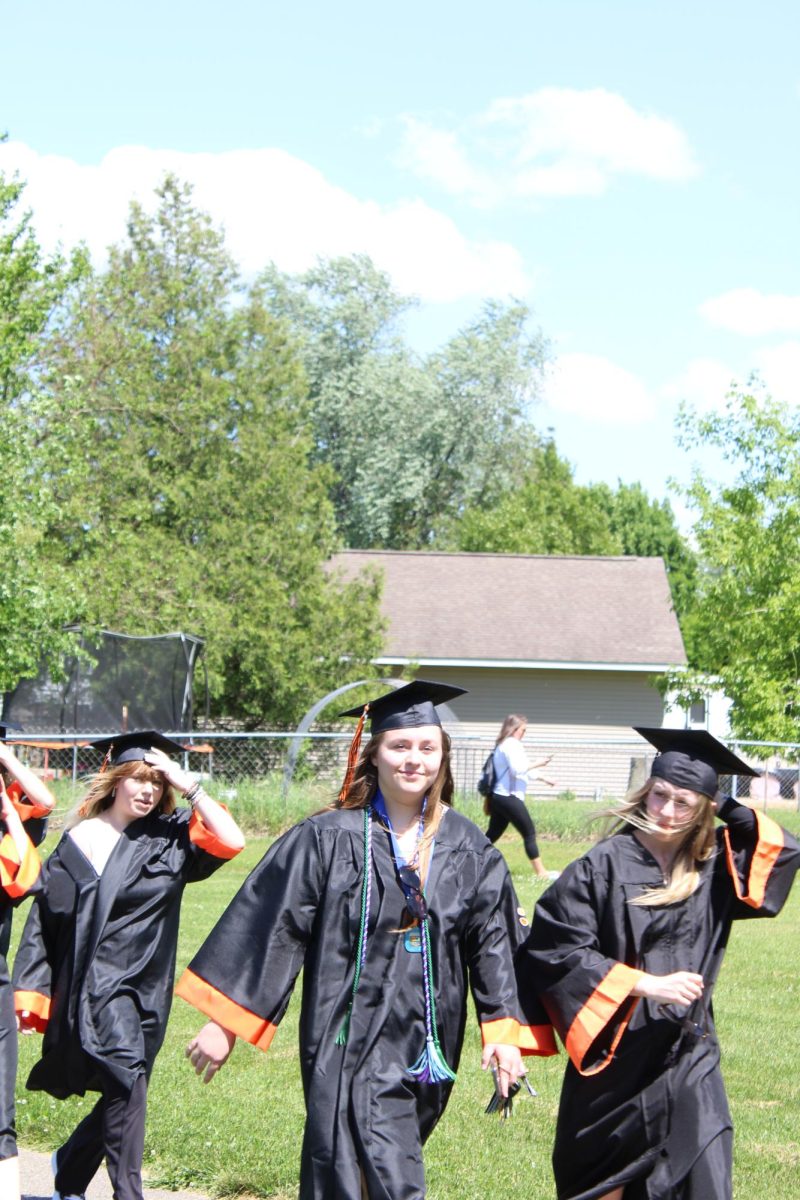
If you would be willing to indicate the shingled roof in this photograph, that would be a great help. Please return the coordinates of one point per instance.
(515, 609)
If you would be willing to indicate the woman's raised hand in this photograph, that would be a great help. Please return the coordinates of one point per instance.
(172, 772)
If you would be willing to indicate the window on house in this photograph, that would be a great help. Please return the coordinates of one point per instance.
(697, 713)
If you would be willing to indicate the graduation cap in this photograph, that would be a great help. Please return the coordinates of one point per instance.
(407, 707)
(8, 727)
(132, 747)
(692, 758)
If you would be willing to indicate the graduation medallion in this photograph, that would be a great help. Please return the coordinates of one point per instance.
(412, 940)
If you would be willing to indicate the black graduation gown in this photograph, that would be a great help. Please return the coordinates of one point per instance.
(300, 908)
(643, 1098)
(18, 876)
(96, 960)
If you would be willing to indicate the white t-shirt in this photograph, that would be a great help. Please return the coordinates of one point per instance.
(511, 768)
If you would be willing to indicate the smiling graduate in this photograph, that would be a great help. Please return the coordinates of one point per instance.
(393, 904)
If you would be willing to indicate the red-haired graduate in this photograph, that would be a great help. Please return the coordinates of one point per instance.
(96, 962)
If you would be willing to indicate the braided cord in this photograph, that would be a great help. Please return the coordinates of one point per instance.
(361, 946)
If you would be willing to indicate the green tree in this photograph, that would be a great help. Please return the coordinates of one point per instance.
(546, 513)
(647, 527)
(745, 627)
(177, 430)
(411, 441)
(35, 600)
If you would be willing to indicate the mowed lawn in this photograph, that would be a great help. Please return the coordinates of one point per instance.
(242, 1133)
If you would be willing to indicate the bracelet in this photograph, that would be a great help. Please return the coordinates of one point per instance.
(193, 795)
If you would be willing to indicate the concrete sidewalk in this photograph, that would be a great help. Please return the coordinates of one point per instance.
(37, 1182)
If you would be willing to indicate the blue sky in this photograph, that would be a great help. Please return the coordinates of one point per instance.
(630, 169)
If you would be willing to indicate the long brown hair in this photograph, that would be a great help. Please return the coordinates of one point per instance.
(512, 723)
(364, 785)
(696, 846)
(102, 787)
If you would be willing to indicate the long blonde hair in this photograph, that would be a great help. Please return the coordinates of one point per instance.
(364, 785)
(102, 786)
(510, 725)
(697, 844)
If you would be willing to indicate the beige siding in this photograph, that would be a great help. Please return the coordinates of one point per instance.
(569, 713)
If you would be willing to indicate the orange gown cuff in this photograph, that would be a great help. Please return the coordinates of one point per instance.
(202, 836)
(17, 875)
(600, 1009)
(768, 847)
(37, 1005)
(224, 1011)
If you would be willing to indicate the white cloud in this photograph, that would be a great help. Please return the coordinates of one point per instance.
(592, 387)
(274, 207)
(553, 142)
(752, 313)
(704, 384)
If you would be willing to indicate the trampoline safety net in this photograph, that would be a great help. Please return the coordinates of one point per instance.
(115, 682)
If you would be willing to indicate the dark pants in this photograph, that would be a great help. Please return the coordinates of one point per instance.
(509, 810)
(113, 1130)
(8, 1065)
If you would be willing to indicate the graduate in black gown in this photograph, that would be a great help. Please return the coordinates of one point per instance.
(624, 952)
(19, 873)
(393, 904)
(95, 965)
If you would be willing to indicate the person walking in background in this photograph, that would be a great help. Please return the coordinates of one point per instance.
(623, 955)
(19, 872)
(506, 805)
(95, 965)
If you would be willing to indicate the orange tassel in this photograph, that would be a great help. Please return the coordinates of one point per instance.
(352, 756)
(106, 760)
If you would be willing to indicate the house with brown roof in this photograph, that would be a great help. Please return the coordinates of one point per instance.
(574, 643)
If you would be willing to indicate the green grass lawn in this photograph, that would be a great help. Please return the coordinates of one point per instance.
(242, 1133)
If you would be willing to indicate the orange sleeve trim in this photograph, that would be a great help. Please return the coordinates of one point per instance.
(537, 1039)
(601, 1008)
(504, 1031)
(224, 1011)
(37, 1005)
(17, 877)
(768, 847)
(27, 809)
(202, 837)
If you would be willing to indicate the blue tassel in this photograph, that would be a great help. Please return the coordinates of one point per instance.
(431, 1067)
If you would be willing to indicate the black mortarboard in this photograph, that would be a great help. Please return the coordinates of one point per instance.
(132, 747)
(407, 707)
(692, 758)
(8, 727)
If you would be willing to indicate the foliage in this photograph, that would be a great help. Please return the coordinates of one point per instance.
(411, 441)
(546, 513)
(175, 426)
(647, 527)
(35, 600)
(745, 630)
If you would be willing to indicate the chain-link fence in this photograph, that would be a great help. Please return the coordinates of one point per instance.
(578, 768)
